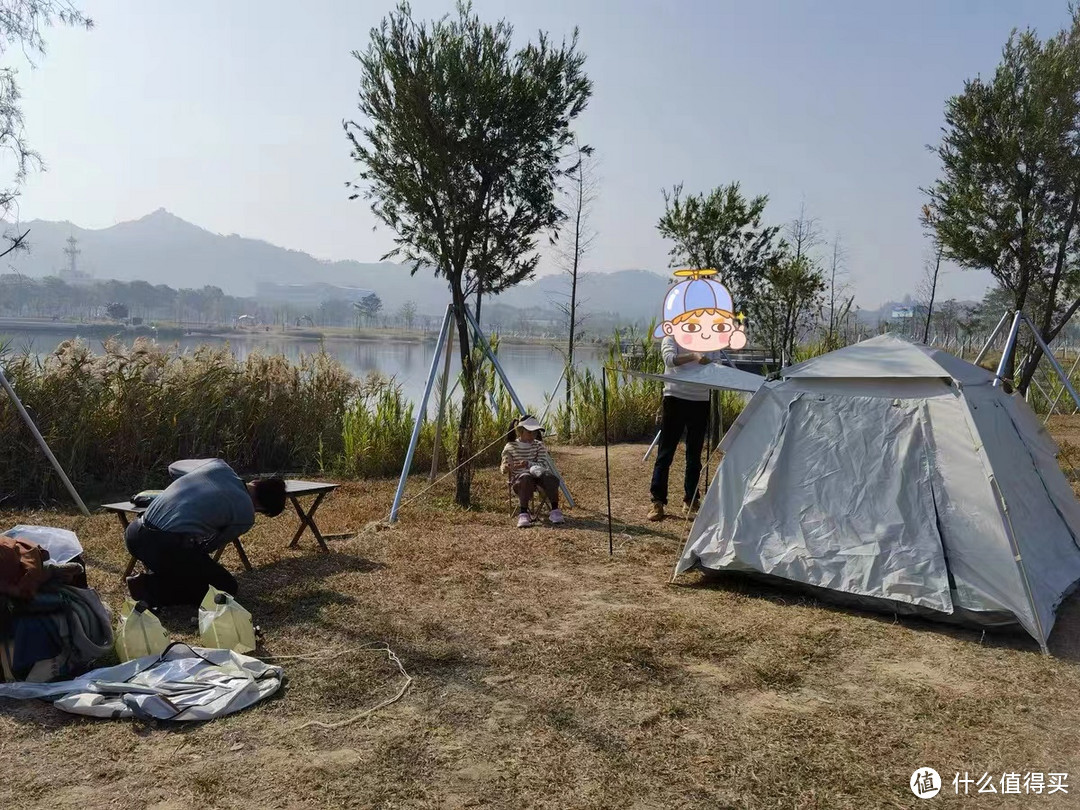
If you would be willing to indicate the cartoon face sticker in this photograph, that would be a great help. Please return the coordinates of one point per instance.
(699, 315)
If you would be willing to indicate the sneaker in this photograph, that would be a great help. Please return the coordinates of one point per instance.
(556, 516)
(657, 511)
(524, 520)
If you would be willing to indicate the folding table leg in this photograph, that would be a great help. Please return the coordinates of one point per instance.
(239, 550)
(307, 521)
(131, 559)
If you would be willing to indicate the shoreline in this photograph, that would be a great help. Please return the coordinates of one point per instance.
(102, 330)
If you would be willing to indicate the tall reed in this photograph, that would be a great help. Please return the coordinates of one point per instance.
(115, 420)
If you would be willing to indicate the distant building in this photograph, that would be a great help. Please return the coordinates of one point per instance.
(902, 313)
(312, 294)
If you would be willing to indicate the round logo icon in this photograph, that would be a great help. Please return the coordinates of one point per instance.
(925, 783)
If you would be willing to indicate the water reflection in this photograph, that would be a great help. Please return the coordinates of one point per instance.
(534, 371)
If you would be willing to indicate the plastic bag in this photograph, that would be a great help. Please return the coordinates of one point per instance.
(62, 545)
(139, 632)
(224, 624)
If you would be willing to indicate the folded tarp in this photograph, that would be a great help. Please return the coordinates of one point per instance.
(183, 683)
(710, 375)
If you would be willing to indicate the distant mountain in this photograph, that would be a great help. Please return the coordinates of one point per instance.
(161, 248)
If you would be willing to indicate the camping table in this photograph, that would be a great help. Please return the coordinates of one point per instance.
(294, 490)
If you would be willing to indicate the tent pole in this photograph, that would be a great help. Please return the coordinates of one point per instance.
(440, 344)
(1053, 406)
(993, 335)
(607, 468)
(651, 446)
(41, 441)
(510, 389)
(1009, 344)
(1053, 360)
(442, 408)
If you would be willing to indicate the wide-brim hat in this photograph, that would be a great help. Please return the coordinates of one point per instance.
(530, 423)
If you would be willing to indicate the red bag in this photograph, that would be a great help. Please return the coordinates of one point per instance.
(22, 567)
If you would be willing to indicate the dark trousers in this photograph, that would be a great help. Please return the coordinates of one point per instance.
(525, 485)
(180, 572)
(678, 415)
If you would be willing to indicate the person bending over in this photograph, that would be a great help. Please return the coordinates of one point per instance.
(527, 465)
(204, 509)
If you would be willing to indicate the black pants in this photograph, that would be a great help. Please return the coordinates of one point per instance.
(678, 415)
(180, 572)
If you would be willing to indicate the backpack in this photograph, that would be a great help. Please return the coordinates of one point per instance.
(22, 567)
(56, 635)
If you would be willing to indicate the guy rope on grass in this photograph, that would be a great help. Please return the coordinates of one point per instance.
(379, 646)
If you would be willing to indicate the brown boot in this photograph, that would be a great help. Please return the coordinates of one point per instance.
(657, 511)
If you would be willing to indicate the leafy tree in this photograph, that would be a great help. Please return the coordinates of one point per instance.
(407, 313)
(721, 230)
(1009, 192)
(786, 304)
(21, 24)
(117, 311)
(368, 307)
(461, 157)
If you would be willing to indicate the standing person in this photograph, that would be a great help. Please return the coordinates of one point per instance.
(528, 465)
(698, 324)
(204, 509)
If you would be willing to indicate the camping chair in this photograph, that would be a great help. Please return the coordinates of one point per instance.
(539, 505)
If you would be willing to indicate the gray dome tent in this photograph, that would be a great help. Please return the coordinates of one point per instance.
(895, 476)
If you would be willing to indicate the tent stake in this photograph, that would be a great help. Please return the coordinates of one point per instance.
(41, 441)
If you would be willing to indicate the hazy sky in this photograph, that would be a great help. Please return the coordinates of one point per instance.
(228, 113)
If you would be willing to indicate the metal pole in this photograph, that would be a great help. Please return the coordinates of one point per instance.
(41, 441)
(442, 407)
(607, 469)
(1009, 344)
(1053, 360)
(509, 388)
(420, 412)
(651, 446)
(1053, 405)
(554, 391)
(994, 334)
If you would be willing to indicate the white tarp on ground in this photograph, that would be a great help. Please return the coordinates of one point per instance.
(710, 375)
(931, 489)
(184, 683)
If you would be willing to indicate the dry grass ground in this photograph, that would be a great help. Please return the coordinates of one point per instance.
(548, 674)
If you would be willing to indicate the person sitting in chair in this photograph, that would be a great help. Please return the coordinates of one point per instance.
(204, 509)
(527, 465)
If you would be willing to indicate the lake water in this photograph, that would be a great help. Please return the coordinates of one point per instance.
(533, 370)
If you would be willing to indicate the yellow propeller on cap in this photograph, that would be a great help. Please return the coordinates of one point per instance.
(696, 272)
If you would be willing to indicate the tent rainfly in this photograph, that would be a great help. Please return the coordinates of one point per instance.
(893, 476)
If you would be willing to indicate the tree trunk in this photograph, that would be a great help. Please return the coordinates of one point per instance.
(479, 294)
(1028, 372)
(463, 491)
(573, 318)
(933, 291)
